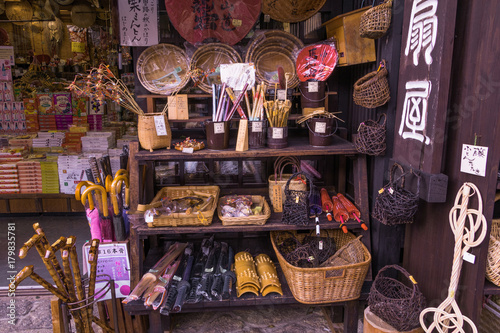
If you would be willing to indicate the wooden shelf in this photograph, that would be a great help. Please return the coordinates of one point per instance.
(490, 288)
(297, 147)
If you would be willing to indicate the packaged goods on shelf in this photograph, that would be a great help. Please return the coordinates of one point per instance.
(9, 180)
(45, 104)
(22, 141)
(12, 154)
(62, 103)
(125, 140)
(50, 177)
(98, 142)
(71, 170)
(95, 122)
(4, 141)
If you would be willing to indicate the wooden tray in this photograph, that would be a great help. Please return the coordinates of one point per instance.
(183, 219)
(248, 220)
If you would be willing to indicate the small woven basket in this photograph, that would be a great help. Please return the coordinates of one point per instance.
(296, 206)
(248, 220)
(323, 284)
(493, 257)
(278, 181)
(375, 22)
(394, 302)
(148, 136)
(395, 204)
(372, 90)
(371, 137)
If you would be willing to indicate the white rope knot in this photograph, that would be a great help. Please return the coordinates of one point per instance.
(448, 315)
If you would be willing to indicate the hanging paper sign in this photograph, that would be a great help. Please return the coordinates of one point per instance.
(316, 62)
(161, 128)
(138, 22)
(474, 160)
(237, 75)
(213, 20)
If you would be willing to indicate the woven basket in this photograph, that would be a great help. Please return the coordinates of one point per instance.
(375, 21)
(493, 258)
(291, 11)
(148, 137)
(395, 204)
(312, 285)
(371, 137)
(183, 219)
(248, 220)
(372, 90)
(163, 69)
(208, 58)
(394, 302)
(279, 179)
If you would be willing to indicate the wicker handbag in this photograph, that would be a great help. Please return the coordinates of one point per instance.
(296, 207)
(371, 137)
(375, 22)
(394, 302)
(395, 204)
(493, 258)
(278, 180)
(372, 90)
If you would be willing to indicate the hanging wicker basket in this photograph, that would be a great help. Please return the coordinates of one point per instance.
(371, 137)
(376, 21)
(493, 258)
(147, 132)
(372, 90)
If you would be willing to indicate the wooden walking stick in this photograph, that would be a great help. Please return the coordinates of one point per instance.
(92, 260)
(28, 272)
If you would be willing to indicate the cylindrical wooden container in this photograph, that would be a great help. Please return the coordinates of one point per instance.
(277, 137)
(257, 133)
(149, 130)
(217, 134)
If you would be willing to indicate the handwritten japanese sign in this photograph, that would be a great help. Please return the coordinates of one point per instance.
(474, 160)
(138, 22)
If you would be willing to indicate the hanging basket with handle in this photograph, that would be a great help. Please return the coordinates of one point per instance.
(394, 301)
(278, 180)
(493, 257)
(375, 22)
(372, 90)
(371, 137)
(296, 206)
(395, 204)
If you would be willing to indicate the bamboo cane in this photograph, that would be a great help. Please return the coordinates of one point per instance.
(92, 260)
(28, 272)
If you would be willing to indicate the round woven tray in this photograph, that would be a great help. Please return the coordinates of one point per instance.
(19, 11)
(291, 10)
(209, 57)
(272, 49)
(163, 69)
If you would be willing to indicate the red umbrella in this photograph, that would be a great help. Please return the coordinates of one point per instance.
(214, 20)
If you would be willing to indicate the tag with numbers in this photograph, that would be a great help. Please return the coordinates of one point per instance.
(218, 128)
(320, 127)
(256, 127)
(312, 86)
(161, 128)
(277, 132)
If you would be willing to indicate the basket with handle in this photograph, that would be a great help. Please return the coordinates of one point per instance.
(148, 131)
(278, 180)
(372, 90)
(371, 136)
(321, 285)
(493, 257)
(296, 206)
(375, 22)
(395, 302)
(395, 204)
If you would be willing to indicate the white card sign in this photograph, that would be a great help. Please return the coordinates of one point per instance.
(474, 160)
(281, 94)
(320, 127)
(277, 132)
(218, 128)
(138, 22)
(256, 126)
(161, 127)
(312, 86)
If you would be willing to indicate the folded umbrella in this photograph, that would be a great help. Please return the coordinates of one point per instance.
(105, 223)
(118, 222)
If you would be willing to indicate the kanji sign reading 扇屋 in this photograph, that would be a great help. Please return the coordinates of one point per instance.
(423, 85)
(138, 22)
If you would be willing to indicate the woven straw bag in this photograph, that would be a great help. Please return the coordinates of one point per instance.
(493, 258)
(375, 22)
(278, 180)
(394, 302)
(147, 133)
(371, 137)
(372, 90)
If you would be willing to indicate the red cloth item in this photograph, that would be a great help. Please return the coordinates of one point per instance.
(225, 21)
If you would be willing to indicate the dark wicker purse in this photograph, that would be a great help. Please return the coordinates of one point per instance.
(394, 302)
(371, 137)
(395, 204)
(296, 207)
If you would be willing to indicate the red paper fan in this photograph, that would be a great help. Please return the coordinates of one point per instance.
(213, 20)
(316, 62)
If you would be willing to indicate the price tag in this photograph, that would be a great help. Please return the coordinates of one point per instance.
(188, 150)
(312, 86)
(320, 245)
(297, 199)
(469, 257)
(218, 128)
(317, 230)
(78, 47)
(277, 132)
(320, 127)
(237, 23)
(161, 128)
(256, 126)
(281, 94)
(391, 191)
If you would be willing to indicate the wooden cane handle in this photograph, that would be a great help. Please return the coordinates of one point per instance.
(59, 244)
(23, 274)
(28, 245)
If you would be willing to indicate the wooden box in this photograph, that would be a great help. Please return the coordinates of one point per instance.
(351, 47)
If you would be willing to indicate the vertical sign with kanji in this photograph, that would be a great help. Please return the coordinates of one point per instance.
(423, 85)
(138, 22)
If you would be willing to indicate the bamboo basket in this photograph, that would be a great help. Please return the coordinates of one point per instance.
(493, 257)
(148, 137)
(183, 219)
(323, 284)
(372, 90)
(248, 220)
(375, 22)
(291, 11)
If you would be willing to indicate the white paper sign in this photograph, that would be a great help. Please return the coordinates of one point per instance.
(312, 86)
(138, 22)
(188, 150)
(161, 128)
(469, 257)
(256, 127)
(474, 160)
(281, 94)
(277, 132)
(218, 128)
(320, 128)
(236, 75)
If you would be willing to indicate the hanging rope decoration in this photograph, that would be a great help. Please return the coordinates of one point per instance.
(447, 316)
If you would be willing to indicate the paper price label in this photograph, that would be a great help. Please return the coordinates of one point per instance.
(256, 126)
(78, 47)
(281, 94)
(320, 246)
(469, 257)
(278, 133)
(320, 128)
(312, 87)
(237, 23)
(188, 150)
(161, 128)
(218, 128)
